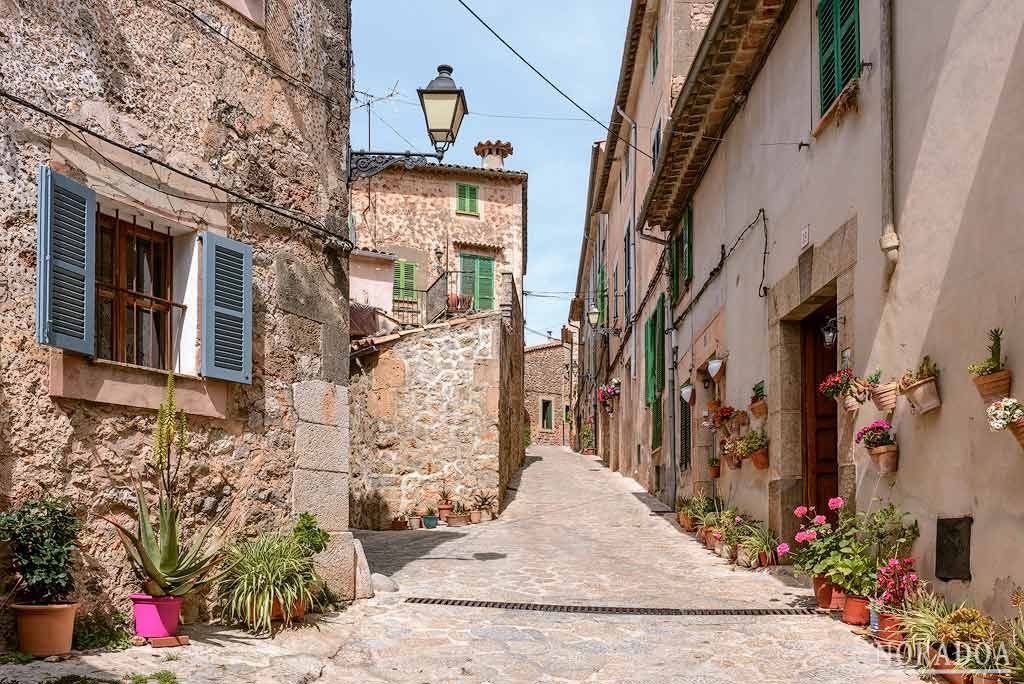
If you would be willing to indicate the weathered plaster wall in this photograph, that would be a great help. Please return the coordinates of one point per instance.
(149, 76)
(373, 280)
(545, 379)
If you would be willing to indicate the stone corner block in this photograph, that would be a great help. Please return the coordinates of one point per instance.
(321, 447)
(324, 494)
(336, 566)
(364, 578)
(321, 402)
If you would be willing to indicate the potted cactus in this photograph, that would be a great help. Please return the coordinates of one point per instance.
(168, 569)
(991, 378)
(459, 516)
(920, 387)
(484, 503)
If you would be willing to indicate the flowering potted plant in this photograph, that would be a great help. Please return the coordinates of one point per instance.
(990, 376)
(920, 387)
(877, 438)
(897, 578)
(758, 405)
(816, 542)
(1007, 413)
(587, 438)
(729, 450)
(42, 535)
(843, 386)
(754, 445)
(714, 467)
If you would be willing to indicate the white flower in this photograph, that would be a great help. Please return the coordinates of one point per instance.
(1004, 412)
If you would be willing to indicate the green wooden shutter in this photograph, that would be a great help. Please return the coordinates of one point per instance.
(827, 40)
(484, 283)
(649, 360)
(467, 277)
(674, 266)
(602, 297)
(687, 256)
(65, 263)
(848, 52)
(227, 309)
(466, 201)
(472, 199)
(404, 288)
(460, 197)
(684, 435)
(656, 422)
(659, 345)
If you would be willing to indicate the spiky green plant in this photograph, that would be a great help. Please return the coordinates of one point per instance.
(994, 362)
(268, 569)
(165, 566)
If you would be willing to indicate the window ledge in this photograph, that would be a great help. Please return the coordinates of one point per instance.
(846, 102)
(468, 214)
(110, 382)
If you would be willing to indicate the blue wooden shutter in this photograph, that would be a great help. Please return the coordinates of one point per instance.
(227, 309)
(66, 264)
(485, 283)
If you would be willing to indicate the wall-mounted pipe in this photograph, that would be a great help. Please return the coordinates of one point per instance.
(890, 240)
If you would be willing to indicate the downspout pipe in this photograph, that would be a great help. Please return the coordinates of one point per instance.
(890, 240)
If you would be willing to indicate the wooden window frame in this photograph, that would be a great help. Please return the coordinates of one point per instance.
(122, 294)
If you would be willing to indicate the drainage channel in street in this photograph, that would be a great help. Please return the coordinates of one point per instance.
(608, 610)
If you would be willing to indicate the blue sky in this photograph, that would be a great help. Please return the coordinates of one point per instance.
(576, 43)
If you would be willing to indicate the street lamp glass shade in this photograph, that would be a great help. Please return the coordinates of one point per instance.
(444, 106)
(686, 392)
(715, 367)
(593, 315)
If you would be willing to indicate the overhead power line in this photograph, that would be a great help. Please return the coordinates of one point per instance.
(547, 80)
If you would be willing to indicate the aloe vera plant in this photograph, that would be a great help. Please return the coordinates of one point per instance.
(165, 565)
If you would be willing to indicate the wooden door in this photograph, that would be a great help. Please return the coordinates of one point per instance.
(820, 415)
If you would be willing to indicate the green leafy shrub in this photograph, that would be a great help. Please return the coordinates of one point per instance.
(42, 534)
(16, 658)
(757, 393)
(964, 625)
(100, 629)
(271, 567)
(309, 535)
(755, 440)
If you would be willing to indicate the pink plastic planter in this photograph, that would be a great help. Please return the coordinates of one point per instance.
(156, 616)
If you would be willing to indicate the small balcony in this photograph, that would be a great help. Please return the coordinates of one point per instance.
(417, 308)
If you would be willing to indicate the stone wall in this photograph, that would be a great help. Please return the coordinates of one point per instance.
(545, 381)
(149, 76)
(511, 391)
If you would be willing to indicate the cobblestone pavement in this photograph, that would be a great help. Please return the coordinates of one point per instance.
(574, 534)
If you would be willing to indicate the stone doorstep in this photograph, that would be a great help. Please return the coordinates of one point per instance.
(169, 642)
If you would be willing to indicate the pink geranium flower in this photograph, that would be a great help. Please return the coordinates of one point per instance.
(717, 535)
(819, 520)
(810, 535)
(801, 537)
(739, 518)
(782, 549)
(800, 511)
(836, 503)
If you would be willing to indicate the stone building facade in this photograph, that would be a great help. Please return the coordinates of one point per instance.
(269, 441)
(547, 395)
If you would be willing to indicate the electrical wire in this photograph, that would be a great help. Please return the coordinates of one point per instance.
(548, 80)
(394, 130)
(283, 212)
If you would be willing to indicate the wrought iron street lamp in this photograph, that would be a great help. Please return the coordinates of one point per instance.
(593, 316)
(444, 107)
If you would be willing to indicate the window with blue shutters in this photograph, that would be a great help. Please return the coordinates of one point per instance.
(226, 309)
(66, 264)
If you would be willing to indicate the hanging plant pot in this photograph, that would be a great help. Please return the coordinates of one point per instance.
(855, 611)
(715, 471)
(760, 459)
(923, 395)
(886, 457)
(884, 395)
(994, 386)
(733, 462)
(1017, 428)
(714, 405)
(759, 408)
(850, 404)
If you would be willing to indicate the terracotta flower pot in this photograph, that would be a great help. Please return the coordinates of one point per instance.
(887, 457)
(1017, 428)
(733, 463)
(458, 520)
(443, 510)
(838, 599)
(486, 515)
(822, 591)
(715, 471)
(948, 668)
(986, 678)
(298, 610)
(399, 525)
(45, 630)
(923, 395)
(762, 559)
(760, 459)
(884, 395)
(890, 630)
(718, 546)
(475, 516)
(714, 405)
(589, 451)
(994, 386)
(855, 611)
(850, 404)
(759, 408)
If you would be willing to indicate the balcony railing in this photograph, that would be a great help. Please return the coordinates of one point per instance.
(441, 300)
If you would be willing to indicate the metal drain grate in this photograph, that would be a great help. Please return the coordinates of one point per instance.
(609, 610)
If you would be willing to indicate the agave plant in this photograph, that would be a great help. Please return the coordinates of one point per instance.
(272, 571)
(166, 566)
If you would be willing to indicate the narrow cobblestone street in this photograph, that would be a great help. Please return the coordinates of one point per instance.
(574, 534)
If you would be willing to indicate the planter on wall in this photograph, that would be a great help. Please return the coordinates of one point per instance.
(760, 459)
(759, 408)
(714, 405)
(923, 395)
(850, 404)
(886, 457)
(884, 395)
(1017, 428)
(715, 471)
(994, 386)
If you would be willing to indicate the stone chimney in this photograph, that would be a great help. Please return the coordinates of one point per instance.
(492, 154)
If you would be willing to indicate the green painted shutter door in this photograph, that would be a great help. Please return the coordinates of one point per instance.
(471, 199)
(848, 52)
(827, 53)
(460, 200)
(688, 245)
(684, 435)
(405, 281)
(227, 309)
(65, 263)
(659, 345)
(602, 297)
(485, 283)
(649, 359)
(674, 266)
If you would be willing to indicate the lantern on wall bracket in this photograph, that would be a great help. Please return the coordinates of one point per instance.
(830, 332)
(715, 368)
(686, 392)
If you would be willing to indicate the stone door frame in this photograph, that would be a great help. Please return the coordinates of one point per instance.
(823, 273)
